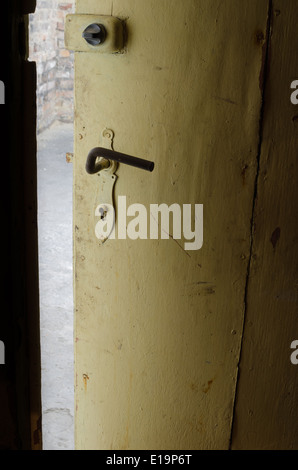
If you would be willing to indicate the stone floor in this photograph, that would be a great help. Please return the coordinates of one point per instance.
(56, 290)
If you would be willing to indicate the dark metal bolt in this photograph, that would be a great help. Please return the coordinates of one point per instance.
(94, 34)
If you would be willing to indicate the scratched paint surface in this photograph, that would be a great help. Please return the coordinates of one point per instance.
(158, 329)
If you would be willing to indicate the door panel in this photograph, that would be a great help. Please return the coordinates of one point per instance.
(158, 328)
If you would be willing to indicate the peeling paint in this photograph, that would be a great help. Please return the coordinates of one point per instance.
(85, 379)
(206, 388)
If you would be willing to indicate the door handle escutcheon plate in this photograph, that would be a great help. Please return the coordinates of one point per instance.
(104, 161)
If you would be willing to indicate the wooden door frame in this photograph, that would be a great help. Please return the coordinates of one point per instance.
(20, 376)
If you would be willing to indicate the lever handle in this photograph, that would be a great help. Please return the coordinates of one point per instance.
(93, 167)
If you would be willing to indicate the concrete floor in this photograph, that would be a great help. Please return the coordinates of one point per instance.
(56, 289)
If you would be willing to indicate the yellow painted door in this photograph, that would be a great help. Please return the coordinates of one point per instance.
(158, 328)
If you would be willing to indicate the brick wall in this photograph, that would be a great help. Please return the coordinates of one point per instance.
(54, 62)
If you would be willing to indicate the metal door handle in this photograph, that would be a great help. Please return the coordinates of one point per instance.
(93, 167)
